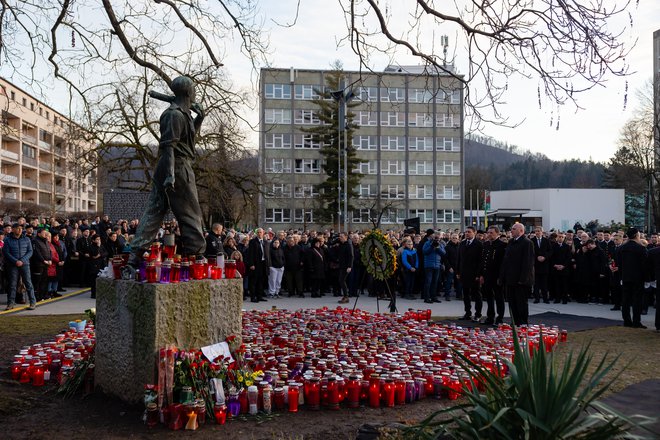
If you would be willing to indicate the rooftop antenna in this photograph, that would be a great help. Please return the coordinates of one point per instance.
(444, 41)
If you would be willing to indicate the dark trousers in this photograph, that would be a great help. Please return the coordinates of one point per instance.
(632, 295)
(257, 279)
(315, 287)
(561, 286)
(342, 277)
(40, 283)
(615, 288)
(431, 277)
(541, 286)
(516, 295)
(13, 273)
(294, 281)
(471, 293)
(408, 282)
(494, 297)
(355, 279)
(604, 289)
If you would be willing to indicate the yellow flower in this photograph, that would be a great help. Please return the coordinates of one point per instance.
(249, 383)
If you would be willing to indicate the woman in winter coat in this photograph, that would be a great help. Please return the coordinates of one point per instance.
(316, 257)
(275, 261)
(410, 263)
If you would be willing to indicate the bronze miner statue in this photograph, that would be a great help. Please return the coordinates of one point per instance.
(173, 183)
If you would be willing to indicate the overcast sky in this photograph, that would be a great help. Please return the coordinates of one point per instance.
(588, 133)
(312, 42)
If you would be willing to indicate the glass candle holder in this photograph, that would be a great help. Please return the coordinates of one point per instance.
(165, 271)
(151, 272)
(152, 415)
(312, 390)
(333, 393)
(353, 392)
(230, 269)
(38, 375)
(16, 371)
(278, 398)
(294, 396)
(374, 391)
(220, 413)
(185, 271)
(388, 393)
(234, 405)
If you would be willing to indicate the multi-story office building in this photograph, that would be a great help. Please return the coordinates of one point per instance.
(41, 156)
(410, 137)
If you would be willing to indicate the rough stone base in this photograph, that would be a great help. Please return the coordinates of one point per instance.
(134, 320)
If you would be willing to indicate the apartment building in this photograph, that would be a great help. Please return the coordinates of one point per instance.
(40, 156)
(410, 137)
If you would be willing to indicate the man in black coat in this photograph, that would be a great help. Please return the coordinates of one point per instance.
(631, 261)
(214, 242)
(491, 263)
(419, 279)
(560, 263)
(345, 255)
(654, 261)
(542, 254)
(469, 272)
(451, 266)
(293, 267)
(517, 274)
(41, 259)
(255, 261)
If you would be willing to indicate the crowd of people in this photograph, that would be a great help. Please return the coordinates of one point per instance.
(42, 256)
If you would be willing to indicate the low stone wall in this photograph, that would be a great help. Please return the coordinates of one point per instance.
(134, 320)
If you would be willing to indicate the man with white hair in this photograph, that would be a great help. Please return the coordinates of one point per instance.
(517, 275)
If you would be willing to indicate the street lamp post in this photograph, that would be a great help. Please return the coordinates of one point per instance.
(343, 96)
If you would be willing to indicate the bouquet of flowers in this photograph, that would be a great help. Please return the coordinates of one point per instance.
(192, 369)
(240, 374)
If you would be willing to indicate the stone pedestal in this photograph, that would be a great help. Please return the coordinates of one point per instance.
(134, 320)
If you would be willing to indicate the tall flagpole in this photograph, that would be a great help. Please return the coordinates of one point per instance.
(470, 208)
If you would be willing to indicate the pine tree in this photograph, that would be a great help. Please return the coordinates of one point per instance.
(331, 142)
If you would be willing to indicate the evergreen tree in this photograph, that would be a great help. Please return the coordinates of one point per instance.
(332, 144)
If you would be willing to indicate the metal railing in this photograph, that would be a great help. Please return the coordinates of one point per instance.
(9, 154)
(10, 195)
(29, 139)
(46, 166)
(30, 161)
(8, 178)
(29, 183)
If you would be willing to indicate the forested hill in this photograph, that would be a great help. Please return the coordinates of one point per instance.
(502, 168)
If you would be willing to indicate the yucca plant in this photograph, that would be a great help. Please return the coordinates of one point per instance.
(537, 400)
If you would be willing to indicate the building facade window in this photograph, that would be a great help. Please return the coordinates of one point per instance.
(279, 190)
(301, 215)
(420, 143)
(277, 116)
(304, 191)
(392, 192)
(421, 96)
(393, 167)
(444, 120)
(278, 215)
(307, 166)
(420, 168)
(448, 168)
(305, 141)
(421, 192)
(420, 120)
(276, 165)
(449, 216)
(448, 192)
(368, 94)
(393, 215)
(362, 215)
(278, 140)
(366, 119)
(447, 144)
(393, 143)
(368, 191)
(392, 119)
(425, 215)
(392, 94)
(278, 91)
(30, 152)
(306, 117)
(365, 142)
(306, 92)
(368, 167)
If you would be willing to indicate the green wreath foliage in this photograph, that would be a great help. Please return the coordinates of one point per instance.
(378, 255)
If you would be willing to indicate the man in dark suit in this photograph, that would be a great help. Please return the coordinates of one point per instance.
(542, 254)
(492, 256)
(469, 272)
(631, 261)
(255, 261)
(560, 266)
(517, 274)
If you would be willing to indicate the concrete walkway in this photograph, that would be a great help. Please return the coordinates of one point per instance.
(76, 300)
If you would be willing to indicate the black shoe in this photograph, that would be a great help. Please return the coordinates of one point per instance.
(428, 301)
(564, 302)
(436, 300)
(254, 300)
(301, 295)
(645, 311)
(638, 326)
(447, 298)
(57, 295)
(459, 296)
(536, 301)
(627, 324)
(498, 320)
(263, 300)
(466, 317)
(615, 308)
(557, 301)
(489, 321)
(61, 289)
(545, 301)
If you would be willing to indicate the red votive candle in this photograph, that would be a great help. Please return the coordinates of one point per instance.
(333, 393)
(353, 392)
(374, 391)
(312, 390)
(294, 395)
(388, 393)
(220, 413)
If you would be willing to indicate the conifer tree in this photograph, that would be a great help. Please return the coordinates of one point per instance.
(332, 145)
